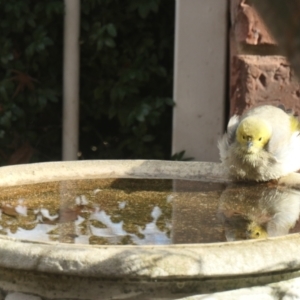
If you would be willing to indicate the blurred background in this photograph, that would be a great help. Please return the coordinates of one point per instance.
(126, 79)
(157, 79)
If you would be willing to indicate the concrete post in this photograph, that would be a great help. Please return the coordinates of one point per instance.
(71, 79)
(200, 77)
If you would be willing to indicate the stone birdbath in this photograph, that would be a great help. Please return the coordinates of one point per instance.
(123, 229)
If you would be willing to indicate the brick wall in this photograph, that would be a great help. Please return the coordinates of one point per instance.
(259, 74)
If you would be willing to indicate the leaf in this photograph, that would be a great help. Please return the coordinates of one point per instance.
(9, 210)
(110, 42)
(99, 45)
(17, 111)
(32, 101)
(53, 98)
(31, 22)
(7, 58)
(112, 112)
(22, 155)
(148, 138)
(111, 29)
(143, 11)
(29, 51)
(180, 156)
(24, 81)
(140, 117)
(98, 92)
(42, 101)
(3, 93)
(5, 119)
(67, 214)
(169, 101)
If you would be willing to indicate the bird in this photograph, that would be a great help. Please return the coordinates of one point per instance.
(251, 210)
(261, 145)
(256, 231)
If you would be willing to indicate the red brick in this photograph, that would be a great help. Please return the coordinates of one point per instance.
(247, 26)
(257, 80)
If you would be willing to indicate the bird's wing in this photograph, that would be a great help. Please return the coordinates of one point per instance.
(285, 141)
(228, 137)
(231, 127)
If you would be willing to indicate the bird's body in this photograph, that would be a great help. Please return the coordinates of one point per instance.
(261, 145)
(255, 211)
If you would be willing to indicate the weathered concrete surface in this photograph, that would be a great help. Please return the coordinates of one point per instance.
(51, 286)
(283, 20)
(54, 171)
(288, 290)
(258, 74)
(257, 80)
(248, 27)
(59, 271)
(21, 296)
(180, 261)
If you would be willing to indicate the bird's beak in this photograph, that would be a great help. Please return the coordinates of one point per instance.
(249, 144)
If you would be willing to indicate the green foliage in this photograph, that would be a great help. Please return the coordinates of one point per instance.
(125, 75)
(180, 156)
(30, 78)
(127, 57)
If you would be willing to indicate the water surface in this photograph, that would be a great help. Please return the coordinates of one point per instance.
(146, 211)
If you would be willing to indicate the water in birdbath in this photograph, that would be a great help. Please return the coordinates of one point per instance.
(147, 211)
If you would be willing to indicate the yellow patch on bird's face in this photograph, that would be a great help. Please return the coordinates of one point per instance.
(256, 231)
(253, 134)
(294, 123)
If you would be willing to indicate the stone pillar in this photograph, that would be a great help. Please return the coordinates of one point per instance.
(259, 74)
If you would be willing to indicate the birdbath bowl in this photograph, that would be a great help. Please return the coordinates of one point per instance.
(139, 229)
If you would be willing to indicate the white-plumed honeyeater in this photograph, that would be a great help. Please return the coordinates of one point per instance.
(261, 145)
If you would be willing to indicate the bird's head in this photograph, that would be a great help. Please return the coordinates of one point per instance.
(253, 134)
(256, 231)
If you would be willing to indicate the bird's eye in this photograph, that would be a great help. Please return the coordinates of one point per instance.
(244, 137)
(260, 139)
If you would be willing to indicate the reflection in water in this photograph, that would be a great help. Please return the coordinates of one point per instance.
(89, 211)
(258, 211)
(111, 233)
(151, 212)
